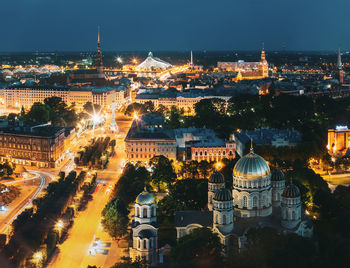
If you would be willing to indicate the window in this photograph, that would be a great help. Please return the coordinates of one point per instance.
(137, 211)
(245, 201)
(293, 215)
(145, 213)
(144, 244)
(255, 201)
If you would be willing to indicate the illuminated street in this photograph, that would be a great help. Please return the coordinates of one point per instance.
(30, 189)
(87, 224)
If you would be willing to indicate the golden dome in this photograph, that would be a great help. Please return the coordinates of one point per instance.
(251, 166)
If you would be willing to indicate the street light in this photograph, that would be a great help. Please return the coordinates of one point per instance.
(136, 117)
(59, 226)
(37, 258)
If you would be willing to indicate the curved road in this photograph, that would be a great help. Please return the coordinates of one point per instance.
(45, 178)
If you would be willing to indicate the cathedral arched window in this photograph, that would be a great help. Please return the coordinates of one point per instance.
(293, 215)
(137, 212)
(144, 244)
(245, 201)
(255, 202)
(264, 200)
(138, 244)
(145, 212)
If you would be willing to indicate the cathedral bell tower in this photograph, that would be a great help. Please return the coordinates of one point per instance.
(264, 67)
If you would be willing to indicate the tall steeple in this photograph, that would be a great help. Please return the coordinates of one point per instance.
(340, 72)
(191, 58)
(339, 64)
(98, 63)
(263, 56)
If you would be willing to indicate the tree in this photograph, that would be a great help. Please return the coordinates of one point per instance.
(91, 108)
(205, 169)
(135, 107)
(115, 218)
(201, 248)
(129, 263)
(40, 113)
(174, 118)
(266, 248)
(11, 116)
(163, 171)
(56, 104)
(149, 106)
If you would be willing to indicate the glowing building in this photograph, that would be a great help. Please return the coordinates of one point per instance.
(248, 70)
(338, 140)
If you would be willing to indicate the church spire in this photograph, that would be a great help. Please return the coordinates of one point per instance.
(191, 58)
(99, 64)
(339, 64)
(263, 56)
(251, 145)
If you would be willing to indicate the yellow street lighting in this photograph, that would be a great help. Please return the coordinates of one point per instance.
(59, 226)
(38, 258)
(218, 165)
(136, 117)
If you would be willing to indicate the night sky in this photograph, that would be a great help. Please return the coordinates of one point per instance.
(128, 25)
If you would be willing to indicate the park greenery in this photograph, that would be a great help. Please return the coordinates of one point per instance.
(34, 229)
(115, 214)
(97, 153)
(311, 117)
(8, 194)
(6, 169)
(201, 248)
(53, 109)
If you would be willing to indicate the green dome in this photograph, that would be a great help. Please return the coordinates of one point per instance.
(145, 198)
(223, 194)
(277, 175)
(216, 177)
(251, 166)
(291, 191)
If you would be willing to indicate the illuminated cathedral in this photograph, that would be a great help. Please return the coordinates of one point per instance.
(259, 198)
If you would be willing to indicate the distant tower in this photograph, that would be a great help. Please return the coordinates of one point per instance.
(340, 72)
(263, 65)
(223, 210)
(99, 63)
(113, 126)
(215, 183)
(291, 207)
(191, 58)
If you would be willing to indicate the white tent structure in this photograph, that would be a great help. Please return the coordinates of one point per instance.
(153, 63)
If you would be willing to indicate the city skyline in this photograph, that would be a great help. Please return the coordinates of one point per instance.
(158, 26)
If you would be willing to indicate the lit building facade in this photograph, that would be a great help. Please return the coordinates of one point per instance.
(147, 138)
(248, 70)
(338, 140)
(30, 145)
(18, 96)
